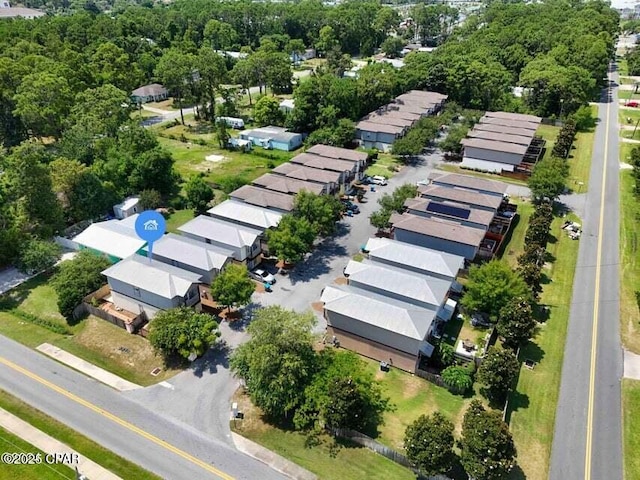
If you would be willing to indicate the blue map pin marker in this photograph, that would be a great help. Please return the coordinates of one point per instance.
(150, 226)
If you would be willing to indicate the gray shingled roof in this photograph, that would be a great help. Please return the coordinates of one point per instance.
(280, 183)
(379, 128)
(300, 172)
(494, 146)
(191, 252)
(509, 123)
(263, 197)
(438, 228)
(339, 153)
(323, 163)
(515, 116)
(468, 181)
(504, 129)
(220, 231)
(500, 137)
(474, 215)
(460, 195)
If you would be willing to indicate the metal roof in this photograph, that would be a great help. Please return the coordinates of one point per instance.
(220, 231)
(258, 217)
(116, 238)
(438, 228)
(406, 255)
(191, 252)
(153, 276)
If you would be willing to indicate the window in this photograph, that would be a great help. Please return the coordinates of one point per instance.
(136, 292)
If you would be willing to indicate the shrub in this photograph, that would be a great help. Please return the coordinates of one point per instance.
(457, 379)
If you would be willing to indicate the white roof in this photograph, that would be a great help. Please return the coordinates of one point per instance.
(153, 276)
(413, 287)
(128, 203)
(258, 217)
(220, 231)
(414, 257)
(191, 252)
(114, 237)
(288, 103)
(383, 312)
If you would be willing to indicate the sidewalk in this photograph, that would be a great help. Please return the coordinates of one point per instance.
(87, 368)
(275, 461)
(47, 444)
(631, 365)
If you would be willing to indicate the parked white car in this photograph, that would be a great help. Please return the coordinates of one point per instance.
(378, 180)
(263, 276)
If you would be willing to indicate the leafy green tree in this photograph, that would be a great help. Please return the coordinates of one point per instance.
(103, 107)
(380, 219)
(181, 332)
(457, 378)
(150, 199)
(244, 74)
(222, 133)
(531, 273)
(342, 394)
(516, 323)
(491, 286)
(112, 65)
(340, 135)
(233, 286)
(292, 238)
(498, 372)
(296, 48)
(392, 46)
(175, 70)
(38, 256)
(77, 278)
(429, 442)
(267, 111)
(321, 211)
(154, 170)
(549, 179)
(278, 362)
(487, 449)
(198, 193)
(326, 40)
(213, 71)
(220, 35)
(452, 141)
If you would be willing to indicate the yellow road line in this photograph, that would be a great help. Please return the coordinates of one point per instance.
(118, 420)
(596, 305)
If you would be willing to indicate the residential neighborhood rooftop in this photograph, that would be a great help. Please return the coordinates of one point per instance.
(494, 145)
(468, 181)
(504, 129)
(263, 197)
(460, 195)
(451, 210)
(258, 217)
(386, 119)
(220, 231)
(150, 90)
(323, 163)
(339, 153)
(508, 122)
(153, 276)
(116, 238)
(300, 172)
(190, 252)
(515, 116)
(280, 183)
(419, 258)
(379, 127)
(500, 137)
(438, 228)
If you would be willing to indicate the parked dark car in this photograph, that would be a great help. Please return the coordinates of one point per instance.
(352, 207)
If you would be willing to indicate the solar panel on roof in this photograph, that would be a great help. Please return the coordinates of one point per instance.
(449, 210)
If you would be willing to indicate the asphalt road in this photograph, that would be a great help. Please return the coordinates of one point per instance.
(158, 443)
(588, 431)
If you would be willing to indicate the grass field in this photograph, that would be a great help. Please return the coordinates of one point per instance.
(532, 407)
(178, 218)
(623, 69)
(631, 425)
(385, 166)
(454, 168)
(624, 114)
(81, 444)
(95, 340)
(11, 443)
(629, 263)
(514, 243)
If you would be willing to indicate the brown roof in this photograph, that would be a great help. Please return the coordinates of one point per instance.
(426, 205)
(505, 129)
(408, 106)
(282, 184)
(494, 145)
(515, 116)
(323, 163)
(392, 110)
(461, 195)
(468, 181)
(438, 228)
(434, 97)
(263, 198)
(509, 123)
(387, 119)
(379, 128)
(419, 101)
(339, 153)
(149, 90)
(500, 137)
(294, 170)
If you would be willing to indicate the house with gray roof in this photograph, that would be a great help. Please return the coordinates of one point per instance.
(282, 184)
(330, 180)
(262, 197)
(378, 326)
(7, 11)
(470, 182)
(113, 239)
(465, 214)
(191, 255)
(153, 92)
(245, 215)
(465, 196)
(339, 153)
(434, 263)
(272, 137)
(243, 242)
(144, 286)
(378, 135)
(348, 170)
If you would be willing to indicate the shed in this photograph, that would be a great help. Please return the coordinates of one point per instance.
(130, 206)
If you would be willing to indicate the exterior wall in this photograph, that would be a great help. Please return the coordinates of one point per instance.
(467, 251)
(486, 165)
(207, 275)
(139, 295)
(238, 253)
(493, 156)
(134, 305)
(384, 147)
(374, 350)
(111, 258)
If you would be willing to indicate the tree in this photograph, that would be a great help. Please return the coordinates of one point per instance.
(38, 256)
(321, 211)
(233, 286)
(291, 239)
(380, 219)
(278, 362)
(112, 65)
(392, 46)
(452, 142)
(429, 442)
(516, 323)
(149, 199)
(343, 394)
(326, 40)
(222, 134)
(498, 372)
(549, 179)
(175, 70)
(77, 278)
(220, 35)
(267, 111)
(491, 286)
(457, 378)
(296, 48)
(244, 74)
(153, 170)
(198, 193)
(487, 449)
(104, 108)
(181, 332)
(213, 70)
(340, 135)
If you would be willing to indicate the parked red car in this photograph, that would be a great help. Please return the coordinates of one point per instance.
(632, 104)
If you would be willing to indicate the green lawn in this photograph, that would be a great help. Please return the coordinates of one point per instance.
(532, 407)
(580, 158)
(81, 444)
(11, 443)
(178, 218)
(631, 426)
(623, 69)
(453, 168)
(513, 244)
(385, 166)
(628, 116)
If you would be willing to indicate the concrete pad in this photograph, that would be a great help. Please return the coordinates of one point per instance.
(48, 444)
(87, 368)
(272, 459)
(631, 365)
